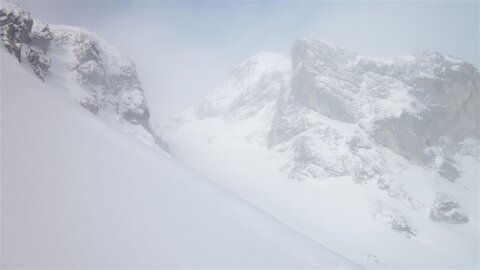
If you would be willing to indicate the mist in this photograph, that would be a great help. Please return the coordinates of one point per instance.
(184, 50)
(243, 135)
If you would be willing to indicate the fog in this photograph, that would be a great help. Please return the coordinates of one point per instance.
(183, 50)
(336, 161)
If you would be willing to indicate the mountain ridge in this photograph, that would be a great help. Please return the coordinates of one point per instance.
(406, 128)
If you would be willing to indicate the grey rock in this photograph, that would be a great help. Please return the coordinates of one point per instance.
(41, 35)
(407, 104)
(401, 225)
(91, 72)
(447, 92)
(445, 209)
(89, 104)
(16, 26)
(108, 80)
(19, 31)
(39, 61)
(322, 78)
(448, 171)
(404, 135)
(395, 220)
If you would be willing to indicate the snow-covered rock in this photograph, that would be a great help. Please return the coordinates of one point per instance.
(406, 103)
(405, 128)
(16, 25)
(39, 61)
(446, 209)
(323, 79)
(251, 87)
(333, 99)
(395, 220)
(98, 76)
(109, 78)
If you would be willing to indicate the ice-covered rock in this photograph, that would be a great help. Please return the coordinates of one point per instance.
(100, 77)
(446, 209)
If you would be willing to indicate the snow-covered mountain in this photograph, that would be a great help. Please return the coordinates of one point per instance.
(357, 153)
(78, 194)
(377, 159)
(95, 73)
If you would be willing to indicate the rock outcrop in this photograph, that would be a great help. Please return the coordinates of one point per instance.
(446, 209)
(100, 78)
(21, 34)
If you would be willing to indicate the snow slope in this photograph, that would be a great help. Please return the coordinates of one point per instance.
(354, 220)
(377, 159)
(76, 193)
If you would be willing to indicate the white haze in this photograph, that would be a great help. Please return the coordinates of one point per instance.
(185, 49)
(318, 158)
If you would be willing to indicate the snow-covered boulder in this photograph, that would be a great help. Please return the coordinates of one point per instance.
(446, 209)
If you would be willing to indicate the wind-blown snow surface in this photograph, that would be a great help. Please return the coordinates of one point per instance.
(375, 158)
(76, 193)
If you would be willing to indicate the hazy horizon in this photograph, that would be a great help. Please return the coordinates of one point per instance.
(183, 50)
(300, 153)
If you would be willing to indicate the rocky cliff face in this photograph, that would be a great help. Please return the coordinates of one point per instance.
(99, 77)
(19, 36)
(109, 79)
(413, 105)
(329, 112)
(420, 106)
(438, 96)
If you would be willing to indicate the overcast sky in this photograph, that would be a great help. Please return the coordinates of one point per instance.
(185, 49)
